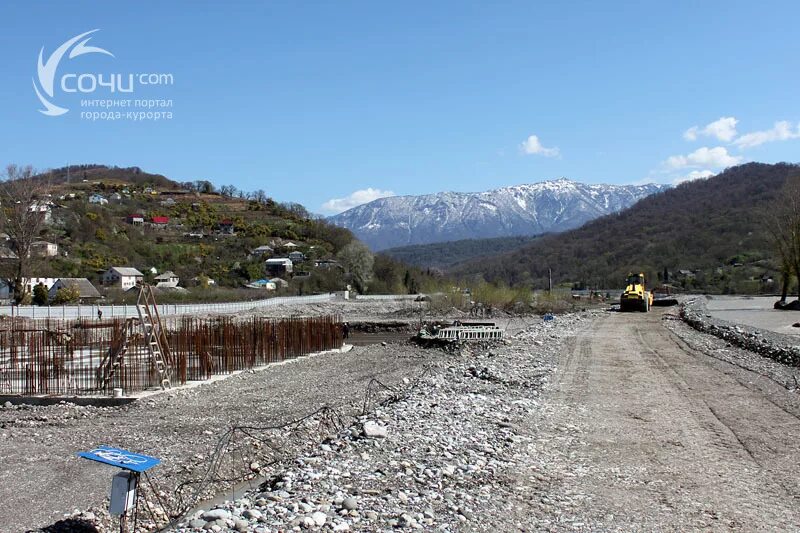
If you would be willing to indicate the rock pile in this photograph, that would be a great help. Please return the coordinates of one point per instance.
(440, 455)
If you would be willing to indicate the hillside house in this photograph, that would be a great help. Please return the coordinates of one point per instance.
(326, 263)
(265, 284)
(43, 207)
(167, 279)
(135, 219)
(30, 283)
(122, 277)
(98, 199)
(169, 202)
(117, 197)
(226, 227)
(7, 254)
(280, 283)
(159, 222)
(278, 266)
(289, 245)
(262, 250)
(86, 291)
(44, 249)
(296, 257)
(5, 291)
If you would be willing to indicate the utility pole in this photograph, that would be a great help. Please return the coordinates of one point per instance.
(550, 278)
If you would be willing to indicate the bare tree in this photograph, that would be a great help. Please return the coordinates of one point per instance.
(358, 261)
(783, 221)
(24, 204)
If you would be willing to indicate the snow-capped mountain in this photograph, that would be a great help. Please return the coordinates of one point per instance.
(548, 206)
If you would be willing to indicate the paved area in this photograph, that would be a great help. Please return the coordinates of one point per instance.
(755, 311)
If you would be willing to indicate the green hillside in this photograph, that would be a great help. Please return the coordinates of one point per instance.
(198, 232)
(711, 229)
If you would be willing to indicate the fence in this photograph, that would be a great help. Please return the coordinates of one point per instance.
(54, 357)
(64, 312)
(387, 296)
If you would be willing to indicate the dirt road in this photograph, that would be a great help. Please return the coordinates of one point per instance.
(642, 433)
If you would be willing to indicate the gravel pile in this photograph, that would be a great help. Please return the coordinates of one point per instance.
(437, 453)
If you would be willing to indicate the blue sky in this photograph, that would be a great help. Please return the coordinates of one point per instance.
(316, 101)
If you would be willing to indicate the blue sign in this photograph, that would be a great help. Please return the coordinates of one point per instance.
(135, 462)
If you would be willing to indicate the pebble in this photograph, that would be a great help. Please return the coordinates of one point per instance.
(373, 430)
(349, 503)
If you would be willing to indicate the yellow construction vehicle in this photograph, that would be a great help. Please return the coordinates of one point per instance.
(635, 297)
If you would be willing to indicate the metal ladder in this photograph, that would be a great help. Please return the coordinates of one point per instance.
(153, 334)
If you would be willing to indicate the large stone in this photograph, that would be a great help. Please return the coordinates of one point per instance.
(349, 503)
(216, 514)
(373, 430)
(253, 514)
(197, 523)
(319, 518)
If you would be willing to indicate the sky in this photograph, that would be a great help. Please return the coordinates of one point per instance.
(331, 104)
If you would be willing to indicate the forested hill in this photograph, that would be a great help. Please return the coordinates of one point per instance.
(713, 226)
(444, 255)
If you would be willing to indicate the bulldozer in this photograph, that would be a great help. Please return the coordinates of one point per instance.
(635, 297)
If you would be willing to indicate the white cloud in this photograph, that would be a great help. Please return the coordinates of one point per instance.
(532, 145)
(781, 131)
(362, 196)
(693, 175)
(723, 129)
(717, 157)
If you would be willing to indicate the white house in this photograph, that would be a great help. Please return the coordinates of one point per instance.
(123, 277)
(30, 283)
(279, 265)
(44, 249)
(97, 199)
(167, 279)
(42, 207)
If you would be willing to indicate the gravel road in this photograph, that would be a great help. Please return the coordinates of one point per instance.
(643, 433)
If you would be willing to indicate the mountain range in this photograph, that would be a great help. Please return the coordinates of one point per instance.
(716, 229)
(530, 209)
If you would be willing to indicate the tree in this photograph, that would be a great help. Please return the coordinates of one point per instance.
(67, 295)
(24, 209)
(357, 261)
(40, 294)
(783, 222)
